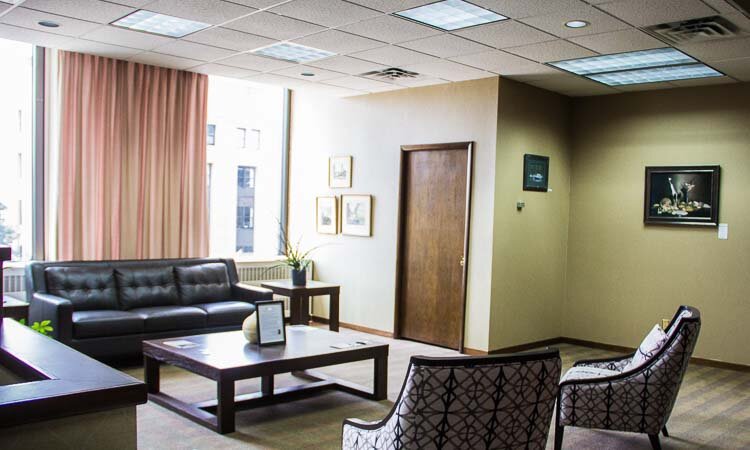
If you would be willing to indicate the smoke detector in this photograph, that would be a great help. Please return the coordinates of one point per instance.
(695, 30)
(391, 74)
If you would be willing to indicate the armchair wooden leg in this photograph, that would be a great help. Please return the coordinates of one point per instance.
(664, 431)
(559, 431)
(655, 444)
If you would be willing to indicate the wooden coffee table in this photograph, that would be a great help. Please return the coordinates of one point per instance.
(228, 357)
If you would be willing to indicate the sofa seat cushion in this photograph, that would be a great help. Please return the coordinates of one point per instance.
(226, 313)
(146, 286)
(203, 283)
(87, 288)
(103, 323)
(167, 318)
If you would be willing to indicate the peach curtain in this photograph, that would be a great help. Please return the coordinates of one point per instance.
(132, 160)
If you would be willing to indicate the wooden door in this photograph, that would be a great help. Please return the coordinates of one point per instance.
(435, 190)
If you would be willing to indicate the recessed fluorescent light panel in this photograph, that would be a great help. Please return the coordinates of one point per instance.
(451, 15)
(646, 66)
(156, 23)
(293, 52)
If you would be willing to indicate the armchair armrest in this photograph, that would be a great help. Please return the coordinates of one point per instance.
(617, 363)
(360, 435)
(248, 293)
(58, 310)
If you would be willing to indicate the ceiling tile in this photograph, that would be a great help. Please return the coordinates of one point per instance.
(390, 29)
(551, 51)
(554, 23)
(134, 3)
(394, 56)
(449, 70)
(718, 50)
(213, 12)
(257, 3)
(651, 12)
(252, 62)
(737, 68)
(339, 42)
(330, 91)
(224, 71)
(705, 81)
(273, 26)
(504, 34)
(721, 5)
(278, 80)
(361, 84)
(195, 51)
(35, 37)
(646, 86)
(119, 36)
(618, 41)
(158, 59)
(563, 82)
(390, 6)
(419, 82)
(329, 13)
(4, 6)
(91, 10)
(318, 73)
(504, 63)
(230, 39)
(445, 45)
(29, 18)
(517, 9)
(98, 48)
(346, 64)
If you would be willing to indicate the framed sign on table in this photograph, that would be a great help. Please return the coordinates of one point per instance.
(270, 315)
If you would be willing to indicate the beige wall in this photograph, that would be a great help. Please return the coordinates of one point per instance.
(624, 276)
(372, 128)
(529, 247)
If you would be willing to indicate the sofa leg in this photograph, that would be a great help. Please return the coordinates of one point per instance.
(559, 431)
(664, 431)
(655, 444)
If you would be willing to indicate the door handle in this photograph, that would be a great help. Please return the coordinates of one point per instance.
(462, 261)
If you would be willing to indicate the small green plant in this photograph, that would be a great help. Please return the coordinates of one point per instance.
(42, 327)
(293, 256)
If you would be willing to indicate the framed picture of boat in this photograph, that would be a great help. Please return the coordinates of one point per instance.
(682, 195)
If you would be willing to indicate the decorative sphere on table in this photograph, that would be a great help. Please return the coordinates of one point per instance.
(250, 329)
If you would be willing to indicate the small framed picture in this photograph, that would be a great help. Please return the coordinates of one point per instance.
(340, 172)
(270, 316)
(535, 173)
(682, 195)
(356, 215)
(326, 215)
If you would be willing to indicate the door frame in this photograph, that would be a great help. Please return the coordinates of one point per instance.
(405, 149)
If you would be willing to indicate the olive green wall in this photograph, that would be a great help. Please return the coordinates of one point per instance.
(624, 276)
(529, 246)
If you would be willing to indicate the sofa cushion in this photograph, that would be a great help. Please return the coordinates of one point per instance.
(87, 288)
(167, 318)
(105, 322)
(203, 283)
(146, 286)
(226, 313)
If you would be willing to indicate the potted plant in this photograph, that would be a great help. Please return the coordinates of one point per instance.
(296, 259)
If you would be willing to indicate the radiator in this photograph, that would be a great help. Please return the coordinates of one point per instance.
(13, 282)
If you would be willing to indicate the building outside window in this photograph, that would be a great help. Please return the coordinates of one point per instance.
(16, 120)
(211, 134)
(245, 192)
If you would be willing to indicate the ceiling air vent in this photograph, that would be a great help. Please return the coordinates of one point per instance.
(391, 74)
(695, 30)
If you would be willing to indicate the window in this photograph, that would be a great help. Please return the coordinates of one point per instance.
(246, 186)
(16, 172)
(211, 134)
(241, 138)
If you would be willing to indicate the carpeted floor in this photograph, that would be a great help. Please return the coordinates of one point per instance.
(712, 411)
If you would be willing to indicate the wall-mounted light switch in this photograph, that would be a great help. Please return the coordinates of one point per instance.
(520, 205)
(723, 231)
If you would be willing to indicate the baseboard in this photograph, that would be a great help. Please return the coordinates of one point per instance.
(354, 327)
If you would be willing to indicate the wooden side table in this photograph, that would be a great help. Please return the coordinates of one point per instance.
(15, 309)
(299, 300)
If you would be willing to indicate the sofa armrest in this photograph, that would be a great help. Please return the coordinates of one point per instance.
(251, 294)
(58, 310)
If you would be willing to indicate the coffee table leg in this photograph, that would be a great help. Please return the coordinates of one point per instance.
(333, 314)
(266, 385)
(225, 406)
(380, 383)
(151, 372)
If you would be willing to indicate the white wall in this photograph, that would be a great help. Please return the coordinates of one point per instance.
(372, 128)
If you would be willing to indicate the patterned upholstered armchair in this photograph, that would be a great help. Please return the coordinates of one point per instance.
(467, 402)
(606, 394)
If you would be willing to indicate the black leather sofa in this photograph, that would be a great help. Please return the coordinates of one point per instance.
(107, 308)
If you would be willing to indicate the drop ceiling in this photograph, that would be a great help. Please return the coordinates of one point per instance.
(365, 37)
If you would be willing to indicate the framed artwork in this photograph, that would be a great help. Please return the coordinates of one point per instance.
(326, 215)
(535, 173)
(340, 171)
(682, 195)
(270, 316)
(356, 215)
